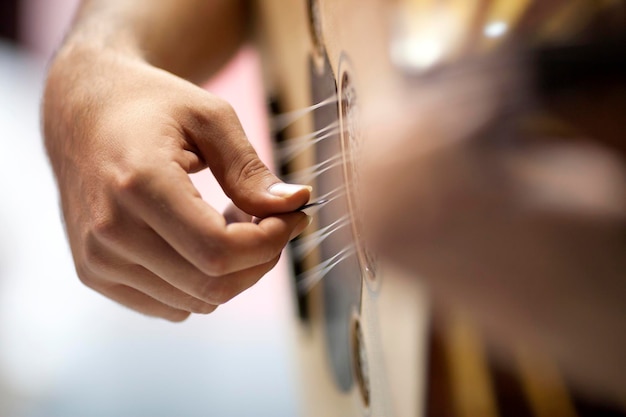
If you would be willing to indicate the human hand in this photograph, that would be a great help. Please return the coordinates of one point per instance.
(122, 138)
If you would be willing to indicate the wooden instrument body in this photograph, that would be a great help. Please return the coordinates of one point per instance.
(364, 335)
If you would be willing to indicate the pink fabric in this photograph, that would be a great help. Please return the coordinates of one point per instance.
(44, 22)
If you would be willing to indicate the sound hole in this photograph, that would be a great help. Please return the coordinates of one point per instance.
(361, 367)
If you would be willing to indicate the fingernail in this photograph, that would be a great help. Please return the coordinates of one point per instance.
(301, 227)
(284, 190)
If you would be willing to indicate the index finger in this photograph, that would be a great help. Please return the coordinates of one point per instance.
(170, 204)
(257, 243)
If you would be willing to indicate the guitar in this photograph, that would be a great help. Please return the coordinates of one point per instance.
(368, 342)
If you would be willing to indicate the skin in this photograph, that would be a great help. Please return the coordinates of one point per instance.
(124, 127)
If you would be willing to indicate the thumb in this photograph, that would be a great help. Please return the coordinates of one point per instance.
(245, 179)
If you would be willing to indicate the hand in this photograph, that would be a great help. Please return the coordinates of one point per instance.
(123, 137)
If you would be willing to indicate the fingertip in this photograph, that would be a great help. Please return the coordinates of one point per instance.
(285, 190)
(291, 196)
(177, 316)
(301, 226)
(278, 198)
(292, 223)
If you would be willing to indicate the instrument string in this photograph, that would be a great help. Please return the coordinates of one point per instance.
(290, 148)
(286, 151)
(309, 174)
(282, 121)
(308, 279)
(305, 245)
(333, 194)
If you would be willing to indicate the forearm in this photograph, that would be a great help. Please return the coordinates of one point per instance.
(190, 38)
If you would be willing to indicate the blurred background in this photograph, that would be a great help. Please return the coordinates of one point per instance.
(65, 350)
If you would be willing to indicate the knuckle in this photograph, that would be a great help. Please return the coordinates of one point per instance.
(250, 167)
(216, 292)
(204, 308)
(130, 182)
(103, 228)
(195, 305)
(85, 274)
(213, 262)
(85, 270)
(221, 107)
(216, 114)
(92, 258)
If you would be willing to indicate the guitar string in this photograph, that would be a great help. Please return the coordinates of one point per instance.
(307, 244)
(283, 120)
(288, 149)
(309, 174)
(333, 194)
(307, 280)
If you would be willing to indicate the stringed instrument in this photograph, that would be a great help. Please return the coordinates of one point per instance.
(368, 342)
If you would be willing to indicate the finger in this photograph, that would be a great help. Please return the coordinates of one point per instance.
(258, 243)
(237, 167)
(142, 303)
(161, 272)
(219, 290)
(199, 233)
(234, 214)
(120, 264)
(212, 290)
(145, 281)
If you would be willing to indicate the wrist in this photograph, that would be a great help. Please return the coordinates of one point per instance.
(82, 50)
(77, 88)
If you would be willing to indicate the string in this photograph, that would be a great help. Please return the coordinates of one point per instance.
(308, 279)
(307, 175)
(334, 194)
(305, 245)
(281, 121)
(290, 148)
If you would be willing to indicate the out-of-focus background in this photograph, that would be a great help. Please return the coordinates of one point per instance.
(66, 351)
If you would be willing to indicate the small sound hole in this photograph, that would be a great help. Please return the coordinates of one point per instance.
(359, 357)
